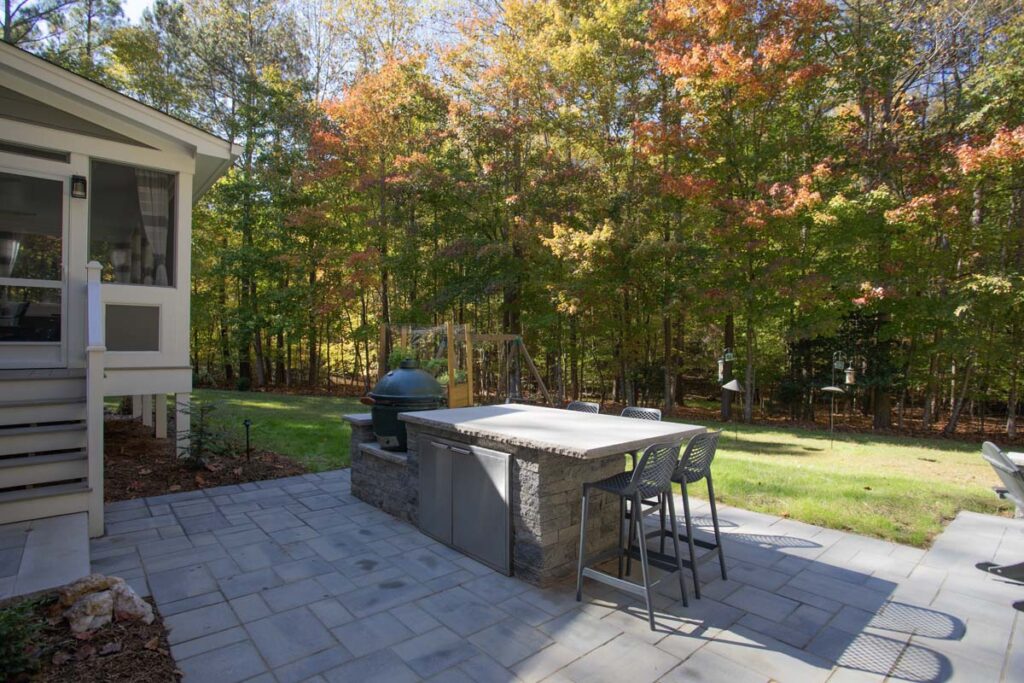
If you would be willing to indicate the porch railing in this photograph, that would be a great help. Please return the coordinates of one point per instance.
(95, 349)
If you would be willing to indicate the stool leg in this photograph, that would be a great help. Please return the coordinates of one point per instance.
(583, 545)
(623, 533)
(689, 540)
(638, 521)
(633, 517)
(714, 522)
(661, 514)
(675, 547)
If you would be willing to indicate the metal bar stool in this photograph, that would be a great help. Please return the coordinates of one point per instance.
(651, 477)
(639, 413)
(694, 465)
(583, 407)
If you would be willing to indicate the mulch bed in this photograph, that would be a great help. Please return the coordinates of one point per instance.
(120, 652)
(138, 465)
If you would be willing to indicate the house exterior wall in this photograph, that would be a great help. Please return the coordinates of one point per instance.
(127, 373)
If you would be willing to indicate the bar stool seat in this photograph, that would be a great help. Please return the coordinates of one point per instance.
(650, 478)
(694, 466)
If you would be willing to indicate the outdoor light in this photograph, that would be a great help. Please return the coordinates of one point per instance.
(78, 186)
(734, 385)
(727, 357)
(838, 360)
(832, 391)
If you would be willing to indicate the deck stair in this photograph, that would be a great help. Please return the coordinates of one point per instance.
(43, 444)
(50, 552)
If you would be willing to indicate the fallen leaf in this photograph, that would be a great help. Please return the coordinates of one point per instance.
(200, 482)
(174, 487)
(237, 471)
(110, 649)
(145, 470)
(867, 488)
(60, 658)
(213, 467)
(85, 652)
(153, 643)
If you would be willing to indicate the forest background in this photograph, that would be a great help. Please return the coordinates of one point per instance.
(639, 188)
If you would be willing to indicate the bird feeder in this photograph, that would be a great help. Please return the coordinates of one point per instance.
(851, 375)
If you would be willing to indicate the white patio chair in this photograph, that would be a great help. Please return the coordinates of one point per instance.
(1013, 490)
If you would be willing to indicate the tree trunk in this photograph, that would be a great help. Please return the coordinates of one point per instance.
(882, 408)
(574, 360)
(958, 403)
(279, 378)
(930, 398)
(748, 397)
(1011, 406)
(313, 349)
(669, 367)
(730, 341)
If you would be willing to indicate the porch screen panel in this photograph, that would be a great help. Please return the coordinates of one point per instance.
(132, 224)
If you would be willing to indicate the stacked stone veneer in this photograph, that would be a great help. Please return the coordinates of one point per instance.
(384, 479)
(545, 488)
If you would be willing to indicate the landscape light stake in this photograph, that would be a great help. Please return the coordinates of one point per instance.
(734, 387)
(248, 450)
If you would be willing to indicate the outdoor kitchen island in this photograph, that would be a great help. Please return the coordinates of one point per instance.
(502, 483)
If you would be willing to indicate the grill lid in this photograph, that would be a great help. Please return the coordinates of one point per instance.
(407, 384)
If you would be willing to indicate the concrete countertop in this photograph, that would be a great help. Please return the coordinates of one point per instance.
(358, 418)
(563, 432)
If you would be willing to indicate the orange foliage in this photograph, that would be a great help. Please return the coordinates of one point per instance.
(1005, 147)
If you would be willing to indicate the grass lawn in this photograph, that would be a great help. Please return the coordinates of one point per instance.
(899, 489)
(308, 428)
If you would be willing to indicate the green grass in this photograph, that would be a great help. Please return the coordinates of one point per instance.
(307, 428)
(899, 489)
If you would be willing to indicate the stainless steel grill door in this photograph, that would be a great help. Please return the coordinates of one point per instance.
(436, 491)
(480, 505)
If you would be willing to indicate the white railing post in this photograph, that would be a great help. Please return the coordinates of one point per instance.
(95, 348)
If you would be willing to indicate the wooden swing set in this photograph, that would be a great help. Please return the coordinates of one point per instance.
(458, 346)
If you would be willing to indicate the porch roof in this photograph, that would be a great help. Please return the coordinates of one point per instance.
(56, 87)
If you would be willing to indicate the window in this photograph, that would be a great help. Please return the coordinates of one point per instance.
(131, 224)
(31, 238)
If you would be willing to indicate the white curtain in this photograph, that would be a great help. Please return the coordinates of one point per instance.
(154, 205)
(9, 247)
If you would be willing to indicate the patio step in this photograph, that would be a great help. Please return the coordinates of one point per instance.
(35, 385)
(32, 503)
(55, 552)
(28, 470)
(41, 411)
(42, 438)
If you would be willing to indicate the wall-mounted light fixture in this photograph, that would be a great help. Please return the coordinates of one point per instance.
(78, 186)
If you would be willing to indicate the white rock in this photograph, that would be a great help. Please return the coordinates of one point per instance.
(94, 583)
(91, 612)
(129, 606)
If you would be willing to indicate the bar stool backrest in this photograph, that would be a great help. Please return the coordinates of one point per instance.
(1010, 474)
(653, 474)
(583, 407)
(695, 464)
(642, 413)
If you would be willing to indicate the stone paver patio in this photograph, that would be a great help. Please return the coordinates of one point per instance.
(295, 579)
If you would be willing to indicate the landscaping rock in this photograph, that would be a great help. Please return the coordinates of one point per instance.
(128, 606)
(93, 583)
(96, 600)
(91, 612)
